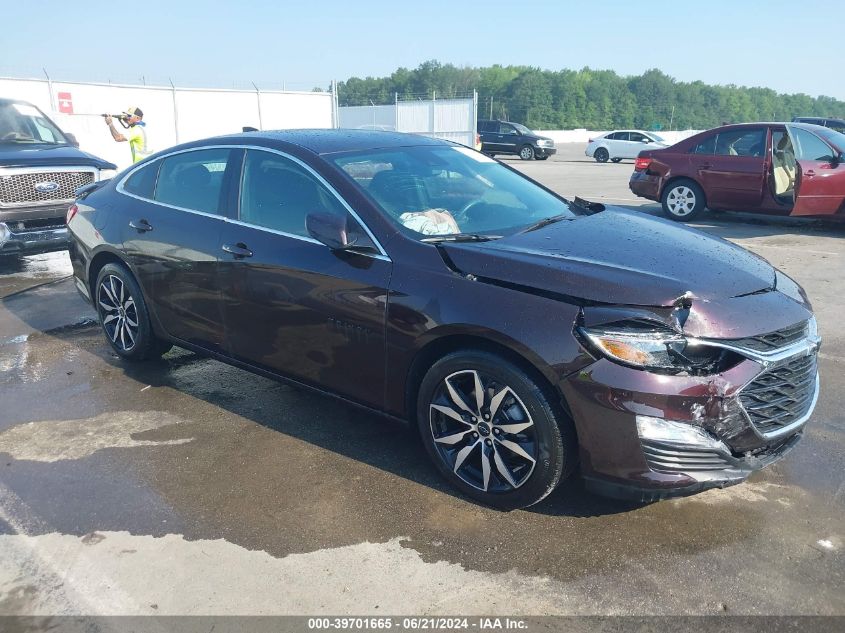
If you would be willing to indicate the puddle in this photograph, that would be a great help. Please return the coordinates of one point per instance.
(56, 440)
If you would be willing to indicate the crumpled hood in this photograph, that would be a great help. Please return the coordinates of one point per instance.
(38, 155)
(617, 257)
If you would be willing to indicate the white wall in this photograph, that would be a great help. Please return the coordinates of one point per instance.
(583, 136)
(172, 115)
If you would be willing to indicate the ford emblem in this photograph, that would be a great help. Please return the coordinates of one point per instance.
(46, 187)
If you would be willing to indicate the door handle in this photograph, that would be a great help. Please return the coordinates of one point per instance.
(239, 250)
(810, 173)
(142, 226)
(705, 166)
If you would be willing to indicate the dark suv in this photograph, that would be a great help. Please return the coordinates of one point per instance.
(505, 137)
(834, 124)
(40, 169)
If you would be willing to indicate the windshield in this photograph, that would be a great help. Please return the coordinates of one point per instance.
(657, 137)
(522, 129)
(24, 123)
(437, 190)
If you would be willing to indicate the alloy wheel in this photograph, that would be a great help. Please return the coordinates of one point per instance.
(681, 201)
(483, 432)
(118, 312)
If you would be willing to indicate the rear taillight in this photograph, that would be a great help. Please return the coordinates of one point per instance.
(641, 164)
(71, 211)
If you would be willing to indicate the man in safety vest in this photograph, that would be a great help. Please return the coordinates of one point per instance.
(136, 133)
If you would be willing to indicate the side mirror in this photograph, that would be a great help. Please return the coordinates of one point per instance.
(70, 137)
(646, 141)
(328, 229)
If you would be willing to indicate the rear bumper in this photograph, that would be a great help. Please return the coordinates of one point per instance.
(645, 185)
(46, 239)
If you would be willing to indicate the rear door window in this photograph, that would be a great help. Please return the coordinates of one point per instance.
(745, 142)
(706, 146)
(143, 182)
(193, 180)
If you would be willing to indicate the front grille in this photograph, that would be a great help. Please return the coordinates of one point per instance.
(773, 340)
(19, 189)
(780, 395)
(666, 458)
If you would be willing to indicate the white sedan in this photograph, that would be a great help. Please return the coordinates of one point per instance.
(621, 144)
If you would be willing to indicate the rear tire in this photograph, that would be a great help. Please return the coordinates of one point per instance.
(601, 155)
(123, 315)
(683, 200)
(492, 432)
(526, 152)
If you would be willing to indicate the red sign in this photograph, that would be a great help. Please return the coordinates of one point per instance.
(65, 103)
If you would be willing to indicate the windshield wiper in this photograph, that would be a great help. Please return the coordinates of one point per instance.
(461, 237)
(546, 222)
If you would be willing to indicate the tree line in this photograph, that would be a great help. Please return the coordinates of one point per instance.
(587, 98)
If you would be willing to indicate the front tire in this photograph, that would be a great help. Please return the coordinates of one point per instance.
(683, 200)
(124, 317)
(601, 155)
(492, 432)
(526, 152)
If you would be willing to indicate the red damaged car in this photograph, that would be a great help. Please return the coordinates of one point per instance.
(776, 168)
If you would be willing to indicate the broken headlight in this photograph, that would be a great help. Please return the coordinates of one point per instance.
(655, 348)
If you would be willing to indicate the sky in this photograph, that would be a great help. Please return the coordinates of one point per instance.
(302, 44)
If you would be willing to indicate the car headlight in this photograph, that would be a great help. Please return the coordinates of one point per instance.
(106, 174)
(655, 348)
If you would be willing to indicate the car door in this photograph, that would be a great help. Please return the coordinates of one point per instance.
(172, 236)
(730, 165)
(489, 131)
(616, 143)
(292, 305)
(820, 177)
(637, 142)
(507, 139)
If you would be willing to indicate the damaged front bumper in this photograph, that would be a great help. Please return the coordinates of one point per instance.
(699, 467)
(646, 437)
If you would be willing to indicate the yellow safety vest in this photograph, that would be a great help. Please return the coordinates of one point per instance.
(138, 142)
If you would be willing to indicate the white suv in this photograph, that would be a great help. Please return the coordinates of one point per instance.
(621, 144)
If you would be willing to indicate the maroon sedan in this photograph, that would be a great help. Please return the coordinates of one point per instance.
(776, 168)
(527, 337)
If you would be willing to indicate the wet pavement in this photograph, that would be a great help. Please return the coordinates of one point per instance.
(185, 486)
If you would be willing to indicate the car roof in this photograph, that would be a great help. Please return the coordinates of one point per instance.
(330, 141)
(739, 126)
(8, 101)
